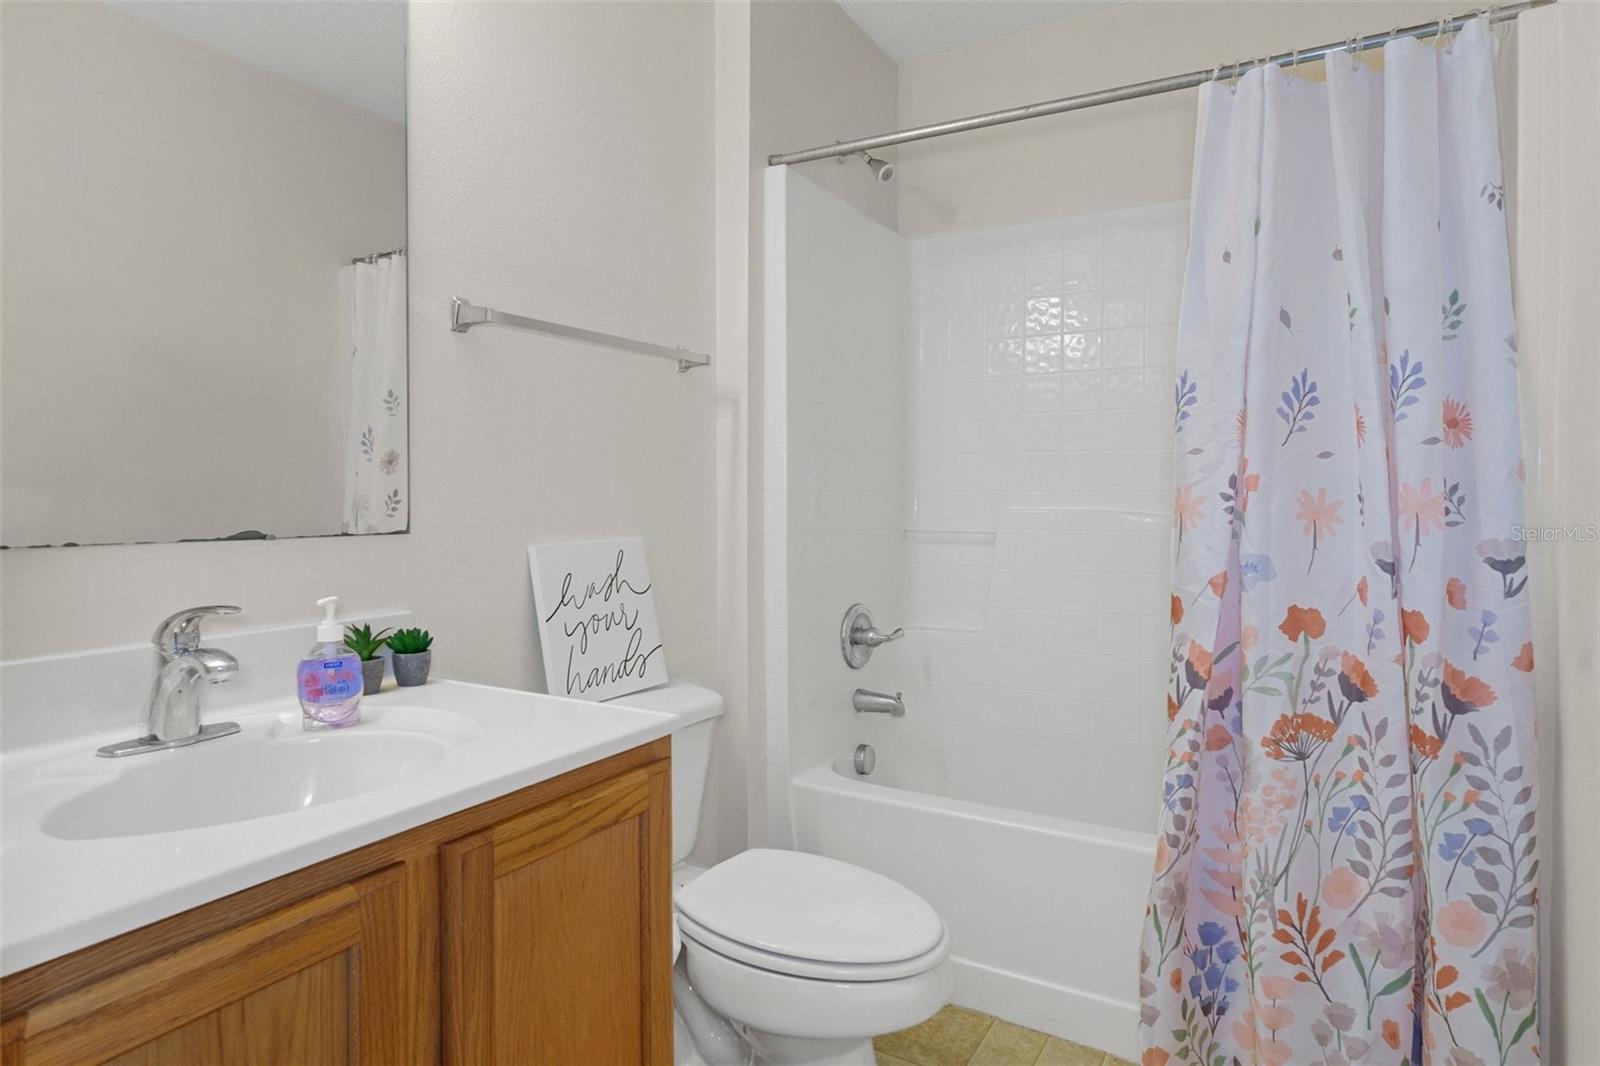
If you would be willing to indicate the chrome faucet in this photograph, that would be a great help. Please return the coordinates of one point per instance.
(866, 701)
(172, 713)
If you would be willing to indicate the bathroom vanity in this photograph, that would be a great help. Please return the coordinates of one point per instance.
(491, 884)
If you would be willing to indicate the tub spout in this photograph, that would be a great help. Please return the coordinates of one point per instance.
(866, 701)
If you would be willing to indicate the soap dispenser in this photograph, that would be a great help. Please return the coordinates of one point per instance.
(329, 679)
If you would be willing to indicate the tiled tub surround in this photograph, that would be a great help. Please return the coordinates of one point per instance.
(1036, 562)
(1030, 552)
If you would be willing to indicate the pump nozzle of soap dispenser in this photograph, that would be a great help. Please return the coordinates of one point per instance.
(329, 631)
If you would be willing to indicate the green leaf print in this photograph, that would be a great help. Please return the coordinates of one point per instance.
(1453, 311)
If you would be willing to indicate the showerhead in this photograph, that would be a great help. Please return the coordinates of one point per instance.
(882, 169)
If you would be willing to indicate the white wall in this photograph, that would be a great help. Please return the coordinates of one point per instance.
(175, 221)
(560, 165)
(1120, 155)
(835, 432)
(1558, 275)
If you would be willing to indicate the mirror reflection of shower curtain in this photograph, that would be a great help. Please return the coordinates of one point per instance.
(376, 466)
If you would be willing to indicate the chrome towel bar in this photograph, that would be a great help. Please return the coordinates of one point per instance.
(464, 315)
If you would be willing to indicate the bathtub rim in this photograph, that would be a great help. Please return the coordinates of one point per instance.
(827, 777)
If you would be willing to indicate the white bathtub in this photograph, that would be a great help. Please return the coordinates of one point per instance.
(1044, 912)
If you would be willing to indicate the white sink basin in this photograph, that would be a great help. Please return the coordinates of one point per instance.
(253, 775)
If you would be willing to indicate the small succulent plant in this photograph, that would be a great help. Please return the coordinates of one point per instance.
(364, 642)
(410, 641)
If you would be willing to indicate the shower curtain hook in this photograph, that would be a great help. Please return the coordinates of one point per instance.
(1438, 36)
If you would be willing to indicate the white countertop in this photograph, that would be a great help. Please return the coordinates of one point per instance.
(59, 895)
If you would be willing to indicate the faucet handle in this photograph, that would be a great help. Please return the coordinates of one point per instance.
(179, 634)
(872, 637)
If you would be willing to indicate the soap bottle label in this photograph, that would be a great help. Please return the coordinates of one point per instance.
(330, 689)
(329, 680)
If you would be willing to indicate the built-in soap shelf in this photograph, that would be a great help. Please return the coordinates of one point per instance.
(948, 573)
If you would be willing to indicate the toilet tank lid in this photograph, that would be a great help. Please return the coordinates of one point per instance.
(687, 700)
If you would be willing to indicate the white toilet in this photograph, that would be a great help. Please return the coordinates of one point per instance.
(787, 957)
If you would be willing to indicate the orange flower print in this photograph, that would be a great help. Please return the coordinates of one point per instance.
(1391, 1034)
(1172, 708)
(1524, 659)
(1361, 427)
(1187, 509)
(1461, 924)
(1361, 590)
(1426, 745)
(1414, 624)
(1297, 737)
(1154, 1057)
(1198, 665)
(1177, 610)
(1463, 694)
(1355, 680)
(1218, 583)
(1422, 511)
(1341, 888)
(1318, 518)
(1457, 423)
(1302, 622)
(1455, 593)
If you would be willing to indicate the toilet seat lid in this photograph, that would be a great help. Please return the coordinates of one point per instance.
(810, 907)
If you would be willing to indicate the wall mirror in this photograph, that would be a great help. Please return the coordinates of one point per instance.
(203, 271)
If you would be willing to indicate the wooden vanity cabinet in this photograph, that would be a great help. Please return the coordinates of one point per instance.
(557, 932)
(535, 928)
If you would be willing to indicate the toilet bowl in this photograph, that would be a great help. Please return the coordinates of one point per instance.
(786, 957)
(812, 957)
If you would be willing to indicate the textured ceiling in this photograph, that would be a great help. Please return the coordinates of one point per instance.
(905, 29)
(355, 51)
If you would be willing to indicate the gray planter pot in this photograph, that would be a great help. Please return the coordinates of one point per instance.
(372, 675)
(412, 670)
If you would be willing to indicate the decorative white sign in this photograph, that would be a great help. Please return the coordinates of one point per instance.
(597, 618)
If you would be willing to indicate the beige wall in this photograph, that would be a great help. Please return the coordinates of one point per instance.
(175, 220)
(561, 166)
(1120, 155)
(1558, 277)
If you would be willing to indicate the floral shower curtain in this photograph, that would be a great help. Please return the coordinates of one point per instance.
(375, 461)
(1346, 869)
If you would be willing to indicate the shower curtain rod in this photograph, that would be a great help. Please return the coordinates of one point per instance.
(1146, 88)
(375, 256)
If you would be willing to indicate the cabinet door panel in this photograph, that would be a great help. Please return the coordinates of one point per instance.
(303, 1019)
(557, 940)
(319, 981)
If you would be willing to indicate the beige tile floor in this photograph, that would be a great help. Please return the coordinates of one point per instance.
(957, 1036)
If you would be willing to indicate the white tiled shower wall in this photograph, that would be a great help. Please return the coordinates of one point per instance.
(972, 434)
(1039, 477)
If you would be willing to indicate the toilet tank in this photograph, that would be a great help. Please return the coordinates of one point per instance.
(697, 709)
